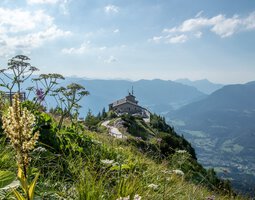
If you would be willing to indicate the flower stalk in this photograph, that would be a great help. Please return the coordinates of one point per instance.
(18, 125)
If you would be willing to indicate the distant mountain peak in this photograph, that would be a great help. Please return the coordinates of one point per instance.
(203, 85)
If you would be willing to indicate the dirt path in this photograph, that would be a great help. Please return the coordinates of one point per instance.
(113, 131)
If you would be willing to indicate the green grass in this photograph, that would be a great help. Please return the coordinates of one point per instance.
(76, 171)
(147, 171)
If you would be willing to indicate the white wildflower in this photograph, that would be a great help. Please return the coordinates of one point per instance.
(166, 172)
(96, 142)
(107, 162)
(153, 186)
(40, 149)
(181, 151)
(136, 197)
(123, 198)
(178, 172)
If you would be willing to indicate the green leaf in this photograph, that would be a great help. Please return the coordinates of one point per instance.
(114, 168)
(125, 166)
(6, 177)
(46, 117)
(31, 190)
(22, 179)
(12, 185)
(18, 195)
(117, 167)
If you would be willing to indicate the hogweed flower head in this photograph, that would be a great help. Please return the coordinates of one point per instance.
(18, 125)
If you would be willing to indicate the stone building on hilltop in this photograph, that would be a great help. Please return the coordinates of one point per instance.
(9, 96)
(129, 105)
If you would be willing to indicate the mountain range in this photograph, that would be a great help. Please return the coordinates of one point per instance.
(221, 127)
(157, 95)
(203, 85)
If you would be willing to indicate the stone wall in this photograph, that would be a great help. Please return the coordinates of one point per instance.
(127, 108)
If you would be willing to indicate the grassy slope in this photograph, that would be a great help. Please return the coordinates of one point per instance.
(72, 168)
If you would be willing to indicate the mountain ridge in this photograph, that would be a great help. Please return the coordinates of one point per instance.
(147, 92)
(222, 126)
(203, 85)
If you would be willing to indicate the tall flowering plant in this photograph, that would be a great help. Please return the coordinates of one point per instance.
(18, 125)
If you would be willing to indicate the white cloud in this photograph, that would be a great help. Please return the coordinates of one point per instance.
(111, 9)
(177, 39)
(42, 1)
(85, 48)
(116, 31)
(26, 43)
(3, 43)
(219, 24)
(156, 39)
(227, 27)
(193, 24)
(63, 4)
(19, 20)
(49, 34)
(22, 30)
(102, 48)
(64, 7)
(198, 34)
(111, 59)
(249, 22)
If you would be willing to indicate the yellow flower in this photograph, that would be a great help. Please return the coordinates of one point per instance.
(18, 125)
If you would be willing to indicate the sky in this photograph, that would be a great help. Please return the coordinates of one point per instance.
(133, 39)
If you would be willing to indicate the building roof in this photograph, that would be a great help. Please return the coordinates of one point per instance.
(128, 99)
(130, 102)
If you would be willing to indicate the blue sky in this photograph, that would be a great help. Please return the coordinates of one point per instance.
(133, 39)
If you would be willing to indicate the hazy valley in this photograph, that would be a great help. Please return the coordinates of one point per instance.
(221, 127)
